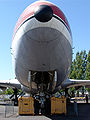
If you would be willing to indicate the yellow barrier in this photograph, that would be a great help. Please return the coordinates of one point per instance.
(26, 105)
(58, 105)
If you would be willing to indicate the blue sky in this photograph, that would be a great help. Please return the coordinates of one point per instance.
(76, 11)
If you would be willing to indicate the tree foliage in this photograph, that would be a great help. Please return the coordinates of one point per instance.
(80, 68)
(87, 72)
(9, 91)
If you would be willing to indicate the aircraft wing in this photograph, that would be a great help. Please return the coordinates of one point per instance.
(13, 83)
(73, 83)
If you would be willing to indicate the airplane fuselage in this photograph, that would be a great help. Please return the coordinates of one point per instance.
(42, 44)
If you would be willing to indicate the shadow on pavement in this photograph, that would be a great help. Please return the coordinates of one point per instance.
(62, 117)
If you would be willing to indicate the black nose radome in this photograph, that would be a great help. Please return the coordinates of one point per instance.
(43, 13)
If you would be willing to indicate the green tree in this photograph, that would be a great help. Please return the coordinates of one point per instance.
(79, 67)
(9, 91)
(73, 70)
(81, 59)
(87, 72)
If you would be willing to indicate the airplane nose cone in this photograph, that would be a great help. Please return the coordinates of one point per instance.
(43, 13)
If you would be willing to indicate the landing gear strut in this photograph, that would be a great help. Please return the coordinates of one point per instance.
(42, 105)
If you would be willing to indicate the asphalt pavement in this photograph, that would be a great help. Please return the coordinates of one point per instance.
(11, 113)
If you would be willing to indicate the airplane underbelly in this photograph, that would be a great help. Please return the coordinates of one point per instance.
(45, 47)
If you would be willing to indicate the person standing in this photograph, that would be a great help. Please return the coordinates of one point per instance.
(86, 98)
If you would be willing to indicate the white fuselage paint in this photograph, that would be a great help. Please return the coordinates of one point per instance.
(41, 46)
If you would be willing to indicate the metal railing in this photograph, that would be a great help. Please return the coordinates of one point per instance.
(9, 109)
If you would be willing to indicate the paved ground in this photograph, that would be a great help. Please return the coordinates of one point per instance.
(12, 114)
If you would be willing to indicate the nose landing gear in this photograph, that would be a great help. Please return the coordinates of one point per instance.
(42, 105)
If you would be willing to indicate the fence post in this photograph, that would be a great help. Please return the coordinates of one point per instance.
(75, 108)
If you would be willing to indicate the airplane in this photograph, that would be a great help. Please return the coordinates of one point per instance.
(42, 51)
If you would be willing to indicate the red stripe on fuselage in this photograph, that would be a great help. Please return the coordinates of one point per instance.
(29, 11)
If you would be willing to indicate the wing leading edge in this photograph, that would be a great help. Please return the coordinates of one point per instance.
(13, 83)
(72, 83)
